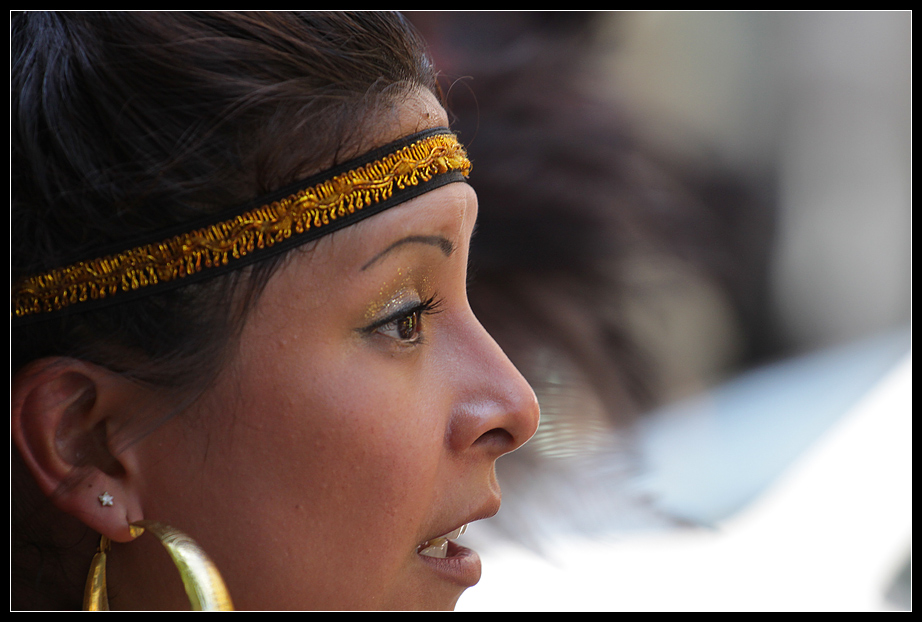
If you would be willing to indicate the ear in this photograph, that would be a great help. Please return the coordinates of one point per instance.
(65, 413)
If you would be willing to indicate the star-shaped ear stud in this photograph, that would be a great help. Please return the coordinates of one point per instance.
(105, 499)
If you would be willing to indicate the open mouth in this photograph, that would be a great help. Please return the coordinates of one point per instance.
(449, 560)
(439, 547)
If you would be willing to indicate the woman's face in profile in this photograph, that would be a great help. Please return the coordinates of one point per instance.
(359, 419)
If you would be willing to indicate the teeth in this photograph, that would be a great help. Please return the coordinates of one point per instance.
(438, 547)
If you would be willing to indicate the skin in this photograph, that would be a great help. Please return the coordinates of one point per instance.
(332, 445)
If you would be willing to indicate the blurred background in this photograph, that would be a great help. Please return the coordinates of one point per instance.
(694, 241)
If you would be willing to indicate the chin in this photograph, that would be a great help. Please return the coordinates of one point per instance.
(441, 598)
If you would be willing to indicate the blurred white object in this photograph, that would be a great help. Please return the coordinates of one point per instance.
(826, 530)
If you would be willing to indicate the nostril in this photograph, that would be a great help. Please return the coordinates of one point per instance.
(496, 439)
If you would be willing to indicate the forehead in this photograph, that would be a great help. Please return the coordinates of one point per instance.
(418, 110)
(444, 211)
(310, 298)
(447, 213)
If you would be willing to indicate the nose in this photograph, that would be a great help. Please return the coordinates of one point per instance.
(495, 410)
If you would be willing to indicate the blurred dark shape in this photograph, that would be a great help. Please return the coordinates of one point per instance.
(571, 200)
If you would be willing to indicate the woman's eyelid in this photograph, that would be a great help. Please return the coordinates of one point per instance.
(392, 307)
(395, 313)
(393, 325)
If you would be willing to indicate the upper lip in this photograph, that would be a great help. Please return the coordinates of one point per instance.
(486, 510)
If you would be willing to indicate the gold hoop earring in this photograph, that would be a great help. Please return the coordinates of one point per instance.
(204, 585)
(96, 596)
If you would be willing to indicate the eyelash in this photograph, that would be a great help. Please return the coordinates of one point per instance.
(406, 320)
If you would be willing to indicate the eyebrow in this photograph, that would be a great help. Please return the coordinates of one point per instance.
(443, 244)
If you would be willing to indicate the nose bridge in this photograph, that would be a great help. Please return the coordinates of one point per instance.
(495, 405)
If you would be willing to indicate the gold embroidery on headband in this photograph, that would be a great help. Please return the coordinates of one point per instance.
(226, 241)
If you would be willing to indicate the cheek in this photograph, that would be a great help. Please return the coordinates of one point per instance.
(326, 465)
(348, 443)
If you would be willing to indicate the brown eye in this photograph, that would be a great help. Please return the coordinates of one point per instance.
(404, 329)
(408, 327)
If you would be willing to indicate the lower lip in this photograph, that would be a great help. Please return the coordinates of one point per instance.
(461, 565)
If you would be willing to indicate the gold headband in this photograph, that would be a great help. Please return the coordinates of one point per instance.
(235, 238)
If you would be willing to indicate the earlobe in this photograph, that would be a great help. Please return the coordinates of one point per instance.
(63, 412)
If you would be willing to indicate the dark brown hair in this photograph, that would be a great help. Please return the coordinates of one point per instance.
(128, 123)
(124, 124)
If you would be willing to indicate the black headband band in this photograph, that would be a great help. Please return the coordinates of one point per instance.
(238, 237)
